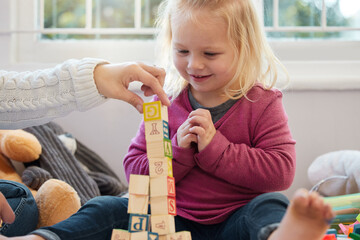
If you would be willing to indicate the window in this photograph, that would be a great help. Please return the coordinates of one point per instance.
(312, 19)
(97, 19)
(315, 39)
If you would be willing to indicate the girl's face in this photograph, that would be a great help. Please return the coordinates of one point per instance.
(203, 55)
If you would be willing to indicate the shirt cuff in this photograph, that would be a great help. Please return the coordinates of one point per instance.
(209, 157)
(48, 235)
(86, 92)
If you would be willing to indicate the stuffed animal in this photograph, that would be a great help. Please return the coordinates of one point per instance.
(56, 200)
(336, 173)
(67, 159)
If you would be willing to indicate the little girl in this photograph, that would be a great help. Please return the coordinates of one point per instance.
(232, 148)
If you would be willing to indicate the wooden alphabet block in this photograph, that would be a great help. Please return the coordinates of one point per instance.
(160, 167)
(163, 224)
(139, 236)
(120, 234)
(139, 222)
(159, 149)
(162, 186)
(182, 235)
(155, 131)
(155, 111)
(153, 236)
(139, 184)
(144, 236)
(163, 205)
(138, 204)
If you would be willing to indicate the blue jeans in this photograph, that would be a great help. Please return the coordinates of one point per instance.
(24, 206)
(96, 219)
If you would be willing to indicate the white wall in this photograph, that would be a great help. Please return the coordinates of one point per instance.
(321, 120)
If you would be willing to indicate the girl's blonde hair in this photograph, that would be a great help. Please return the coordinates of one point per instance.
(256, 62)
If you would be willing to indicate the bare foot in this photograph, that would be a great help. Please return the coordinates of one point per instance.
(307, 217)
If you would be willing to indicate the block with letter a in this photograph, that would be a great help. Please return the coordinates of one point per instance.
(163, 224)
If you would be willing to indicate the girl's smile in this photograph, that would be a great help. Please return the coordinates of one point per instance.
(200, 78)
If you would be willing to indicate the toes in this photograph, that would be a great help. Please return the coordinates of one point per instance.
(329, 213)
(301, 199)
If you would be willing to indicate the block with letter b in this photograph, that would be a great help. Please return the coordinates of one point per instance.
(155, 111)
(163, 205)
(160, 167)
(162, 186)
(139, 222)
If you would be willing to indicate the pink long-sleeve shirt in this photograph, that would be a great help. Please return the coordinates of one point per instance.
(251, 153)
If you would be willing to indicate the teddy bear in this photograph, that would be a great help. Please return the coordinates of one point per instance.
(56, 199)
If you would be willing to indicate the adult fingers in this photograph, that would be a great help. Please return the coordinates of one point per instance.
(134, 100)
(153, 78)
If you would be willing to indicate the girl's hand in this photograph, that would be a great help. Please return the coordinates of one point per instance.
(184, 136)
(201, 126)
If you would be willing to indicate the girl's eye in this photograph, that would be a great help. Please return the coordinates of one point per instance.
(182, 51)
(210, 54)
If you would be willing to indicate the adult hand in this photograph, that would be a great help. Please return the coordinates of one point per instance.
(112, 81)
(6, 213)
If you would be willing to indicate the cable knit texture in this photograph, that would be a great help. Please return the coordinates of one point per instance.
(37, 97)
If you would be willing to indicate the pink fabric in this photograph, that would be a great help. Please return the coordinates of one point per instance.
(252, 153)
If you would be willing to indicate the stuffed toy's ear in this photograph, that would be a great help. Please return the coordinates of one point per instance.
(19, 145)
(56, 201)
(340, 170)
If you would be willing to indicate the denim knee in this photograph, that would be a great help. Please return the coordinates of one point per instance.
(109, 207)
(24, 206)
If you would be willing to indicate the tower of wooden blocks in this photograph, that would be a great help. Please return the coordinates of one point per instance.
(158, 188)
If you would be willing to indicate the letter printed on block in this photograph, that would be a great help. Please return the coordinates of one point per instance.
(163, 224)
(156, 130)
(139, 222)
(160, 167)
(155, 111)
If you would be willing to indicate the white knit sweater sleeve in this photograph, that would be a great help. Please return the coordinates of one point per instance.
(34, 98)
